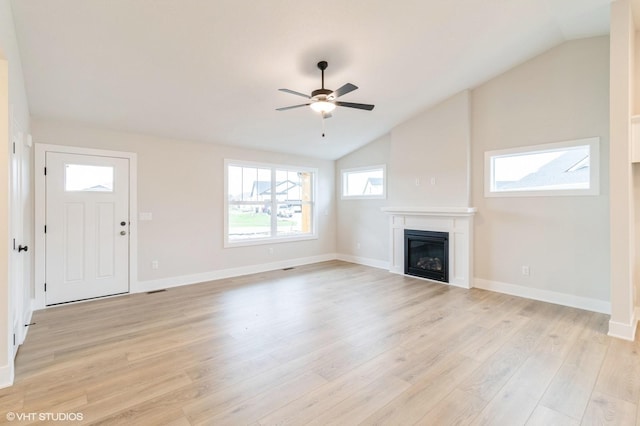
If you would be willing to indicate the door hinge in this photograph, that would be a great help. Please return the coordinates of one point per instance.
(14, 339)
(45, 171)
(14, 147)
(45, 229)
(45, 286)
(14, 243)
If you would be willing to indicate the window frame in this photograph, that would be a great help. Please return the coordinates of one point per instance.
(343, 182)
(274, 238)
(594, 169)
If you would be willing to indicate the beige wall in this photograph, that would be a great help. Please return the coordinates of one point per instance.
(434, 145)
(361, 222)
(560, 95)
(181, 184)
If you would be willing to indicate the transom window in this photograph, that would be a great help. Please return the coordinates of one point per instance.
(268, 202)
(87, 178)
(364, 182)
(563, 168)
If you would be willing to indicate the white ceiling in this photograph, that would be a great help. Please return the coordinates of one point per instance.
(209, 70)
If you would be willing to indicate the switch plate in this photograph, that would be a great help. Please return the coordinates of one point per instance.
(525, 270)
(145, 216)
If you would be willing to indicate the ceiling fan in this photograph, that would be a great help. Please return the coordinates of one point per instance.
(324, 100)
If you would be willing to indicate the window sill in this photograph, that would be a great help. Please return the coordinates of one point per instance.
(269, 240)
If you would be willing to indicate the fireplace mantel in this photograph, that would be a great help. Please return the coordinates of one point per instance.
(457, 221)
(431, 211)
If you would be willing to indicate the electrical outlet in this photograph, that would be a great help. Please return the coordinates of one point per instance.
(270, 250)
(433, 181)
(154, 264)
(417, 181)
(525, 270)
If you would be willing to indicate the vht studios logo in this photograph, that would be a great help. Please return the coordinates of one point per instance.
(45, 417)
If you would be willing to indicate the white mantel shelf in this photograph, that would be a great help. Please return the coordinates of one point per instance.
(431, 211)
(456, 221)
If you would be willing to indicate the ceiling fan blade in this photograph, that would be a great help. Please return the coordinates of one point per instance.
(347, 88)
(291, 107)
(293, 92)
(352, 105)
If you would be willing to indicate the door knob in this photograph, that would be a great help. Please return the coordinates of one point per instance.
(123, 223)
(23, 248)
(123, 232)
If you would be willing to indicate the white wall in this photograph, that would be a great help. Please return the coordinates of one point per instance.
(11, 84)
(560, 95)
(181, 184)
(623, 244)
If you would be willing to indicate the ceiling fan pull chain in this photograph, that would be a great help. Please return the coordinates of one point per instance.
(323, 120)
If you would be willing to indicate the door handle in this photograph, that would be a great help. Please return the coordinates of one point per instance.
(23, 248)
(123, 232)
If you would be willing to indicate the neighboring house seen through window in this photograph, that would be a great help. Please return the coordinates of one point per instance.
(364, 182)
(268, 202)
(564, 168)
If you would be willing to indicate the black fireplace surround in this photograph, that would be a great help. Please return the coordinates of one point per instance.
(426, 254)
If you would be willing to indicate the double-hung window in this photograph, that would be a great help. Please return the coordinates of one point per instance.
(267, 203)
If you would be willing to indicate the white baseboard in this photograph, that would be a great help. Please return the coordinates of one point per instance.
(6, 376)
(366, 261)
(27, 320)
(557, 298)
(623, 331)
(152, 285)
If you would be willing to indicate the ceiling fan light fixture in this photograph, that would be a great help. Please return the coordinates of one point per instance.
(323, 106)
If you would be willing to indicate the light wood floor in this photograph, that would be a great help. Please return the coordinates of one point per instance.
(331, 343)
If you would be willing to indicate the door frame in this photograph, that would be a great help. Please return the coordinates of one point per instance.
(40, 211)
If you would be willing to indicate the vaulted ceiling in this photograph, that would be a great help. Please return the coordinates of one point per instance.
(209, 71)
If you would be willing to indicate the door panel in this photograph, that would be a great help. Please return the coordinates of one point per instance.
(106, 232)
(74, 240)
(18, 255)
(87, 248)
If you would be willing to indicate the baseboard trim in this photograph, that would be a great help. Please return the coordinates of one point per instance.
(366, 261)
(6, 376)
(557, 298)
(27, 320)
(625, 331)
(163, 283)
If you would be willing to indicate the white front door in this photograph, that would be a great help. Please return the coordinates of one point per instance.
(87, 227)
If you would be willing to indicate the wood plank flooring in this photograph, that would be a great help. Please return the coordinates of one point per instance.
(329, 343)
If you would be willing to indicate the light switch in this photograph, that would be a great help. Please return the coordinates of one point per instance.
(146, 216)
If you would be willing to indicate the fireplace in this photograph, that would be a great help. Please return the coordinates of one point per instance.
(426, 254)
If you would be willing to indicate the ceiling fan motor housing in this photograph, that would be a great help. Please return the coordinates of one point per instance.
(321, 93)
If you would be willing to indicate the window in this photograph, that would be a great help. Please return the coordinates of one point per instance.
(364, 182)
(79, 177)
(265, 203)
(563, 168)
